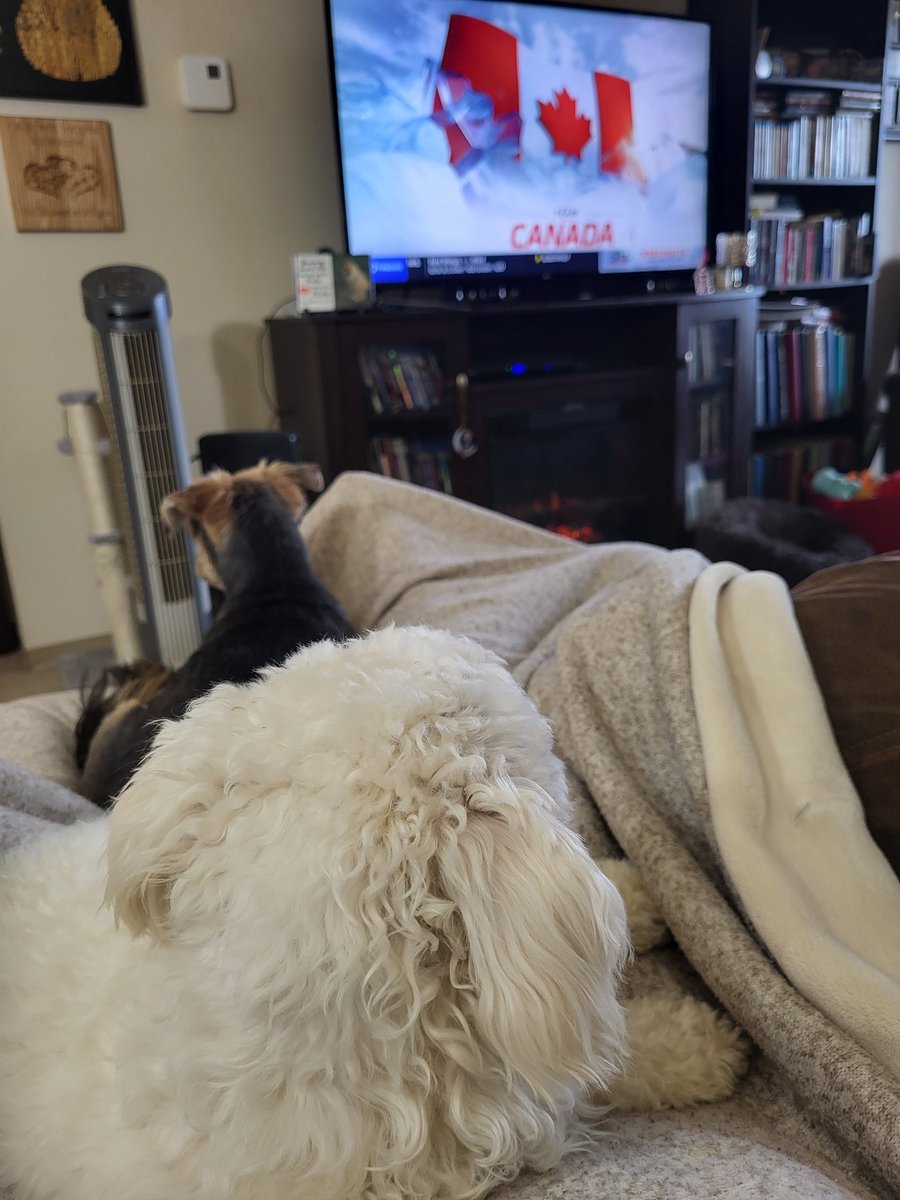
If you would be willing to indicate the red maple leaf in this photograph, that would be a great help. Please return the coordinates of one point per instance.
(570, 133)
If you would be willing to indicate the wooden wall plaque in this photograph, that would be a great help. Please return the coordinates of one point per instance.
(61, 174)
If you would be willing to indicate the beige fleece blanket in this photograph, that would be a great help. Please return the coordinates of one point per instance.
(599, 636)
(788, 822)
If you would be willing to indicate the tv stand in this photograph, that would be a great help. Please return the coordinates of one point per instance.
(606, 417)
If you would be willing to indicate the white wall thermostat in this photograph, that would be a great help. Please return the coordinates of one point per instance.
(205, 83)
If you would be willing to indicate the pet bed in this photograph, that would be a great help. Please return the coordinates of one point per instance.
(601, 638)
(773, 535)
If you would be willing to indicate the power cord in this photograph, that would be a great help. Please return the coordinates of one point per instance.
(261, 380)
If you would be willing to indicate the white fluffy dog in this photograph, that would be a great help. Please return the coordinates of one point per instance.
(343, 944)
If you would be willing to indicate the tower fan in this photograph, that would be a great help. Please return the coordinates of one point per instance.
(129, 310)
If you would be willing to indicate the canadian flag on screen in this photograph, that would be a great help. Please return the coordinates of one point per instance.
(491, 89)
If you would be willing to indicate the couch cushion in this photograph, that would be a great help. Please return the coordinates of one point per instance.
(38, 733)
(850, 619)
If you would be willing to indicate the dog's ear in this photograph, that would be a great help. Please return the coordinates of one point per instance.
(207, 501)
(306, 475)
(170, 810)
(290, 480)
(547, 940)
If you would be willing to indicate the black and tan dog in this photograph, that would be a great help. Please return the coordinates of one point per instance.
(248, 546)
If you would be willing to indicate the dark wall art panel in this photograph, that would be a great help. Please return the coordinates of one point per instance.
(80, 50)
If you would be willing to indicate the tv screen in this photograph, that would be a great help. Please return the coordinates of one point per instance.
(502, 140)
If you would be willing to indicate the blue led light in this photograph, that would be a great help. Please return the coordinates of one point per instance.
(517, 368)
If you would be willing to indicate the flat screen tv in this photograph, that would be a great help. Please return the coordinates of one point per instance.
(494, 142)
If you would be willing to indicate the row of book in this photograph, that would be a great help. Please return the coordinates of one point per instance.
(835, 147)
(710, 430)
(804, 369)
(782, 474)
(415, 460)
(401, 380)
(795, 249)
(712, 351)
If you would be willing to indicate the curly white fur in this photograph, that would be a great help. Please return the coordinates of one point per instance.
(359, 953)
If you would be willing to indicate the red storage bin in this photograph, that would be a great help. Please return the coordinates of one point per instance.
(876, 521)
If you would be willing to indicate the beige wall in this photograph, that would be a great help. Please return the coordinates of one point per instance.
(216, 203)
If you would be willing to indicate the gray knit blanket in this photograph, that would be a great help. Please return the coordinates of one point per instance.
(37, 768)
(599, 637)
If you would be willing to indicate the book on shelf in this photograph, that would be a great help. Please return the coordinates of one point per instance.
(401, 380)
(424, 461)
(770, 202)
(709, 353)
(709, 442)
(782, 474)
(859, 100)
(804, 366)
(891, 94)
(804, 102)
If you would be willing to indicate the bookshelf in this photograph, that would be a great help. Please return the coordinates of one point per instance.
(607, 419)
(798, 153)
(892, 75)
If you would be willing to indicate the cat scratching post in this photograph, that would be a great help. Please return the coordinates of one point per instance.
(106, 538)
